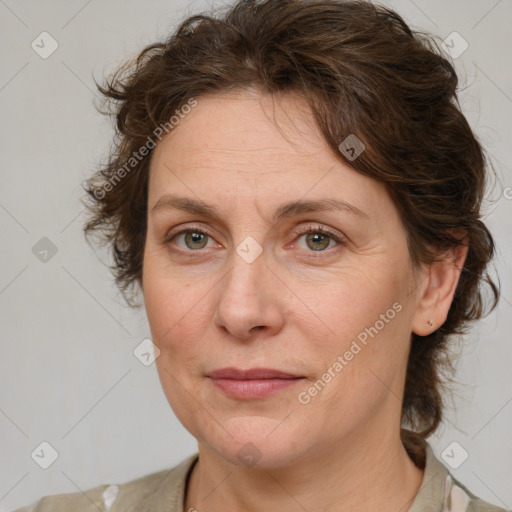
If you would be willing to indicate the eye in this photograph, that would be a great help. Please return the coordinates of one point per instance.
(318, 239)
(190, 239)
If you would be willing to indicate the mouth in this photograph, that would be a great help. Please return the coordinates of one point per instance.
(252, 383)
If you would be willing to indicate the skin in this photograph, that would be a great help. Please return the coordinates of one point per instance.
(293, 308)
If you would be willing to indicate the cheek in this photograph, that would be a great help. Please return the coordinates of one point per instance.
(362, 319)
(175, 308)
(350, 303)
(178, 321)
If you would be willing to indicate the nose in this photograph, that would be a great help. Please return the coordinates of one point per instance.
(250, 300)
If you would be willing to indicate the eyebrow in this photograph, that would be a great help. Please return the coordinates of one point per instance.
(289, 209)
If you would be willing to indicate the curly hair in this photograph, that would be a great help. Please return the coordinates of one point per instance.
(363, 71)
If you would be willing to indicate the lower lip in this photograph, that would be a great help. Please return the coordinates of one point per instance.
(253, 388)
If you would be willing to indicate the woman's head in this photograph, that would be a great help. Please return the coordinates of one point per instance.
(280, 102)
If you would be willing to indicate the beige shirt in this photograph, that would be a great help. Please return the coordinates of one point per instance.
(165, 491)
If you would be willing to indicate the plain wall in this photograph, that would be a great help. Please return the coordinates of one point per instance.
(68, 372)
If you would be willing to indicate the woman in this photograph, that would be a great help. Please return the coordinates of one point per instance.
(297, 194)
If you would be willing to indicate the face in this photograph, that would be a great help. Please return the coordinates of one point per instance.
(265, 252)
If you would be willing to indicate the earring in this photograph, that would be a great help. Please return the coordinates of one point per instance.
(431, 323)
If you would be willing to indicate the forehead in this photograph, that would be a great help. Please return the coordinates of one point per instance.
(250, 144)
(245, 124)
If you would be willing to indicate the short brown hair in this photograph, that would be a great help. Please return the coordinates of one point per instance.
(363, 71)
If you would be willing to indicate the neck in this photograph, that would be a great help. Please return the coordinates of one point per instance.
(356, 475)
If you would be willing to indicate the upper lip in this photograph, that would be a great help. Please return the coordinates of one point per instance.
(250, 374)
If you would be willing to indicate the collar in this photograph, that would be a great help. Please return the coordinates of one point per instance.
(431, 492)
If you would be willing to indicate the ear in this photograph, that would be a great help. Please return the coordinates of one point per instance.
(437, 290)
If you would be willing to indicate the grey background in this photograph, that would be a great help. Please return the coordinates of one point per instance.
(68, 372)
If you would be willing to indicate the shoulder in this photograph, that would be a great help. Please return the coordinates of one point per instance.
(143, 492)
(459, 497)
(440, 490)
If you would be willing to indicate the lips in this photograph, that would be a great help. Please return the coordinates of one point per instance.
(251, 374)
(252, 383)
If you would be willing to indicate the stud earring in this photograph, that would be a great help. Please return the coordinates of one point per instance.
(431, 323)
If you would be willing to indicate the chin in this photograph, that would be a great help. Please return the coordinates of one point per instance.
(258, 442)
